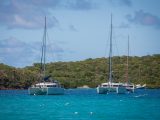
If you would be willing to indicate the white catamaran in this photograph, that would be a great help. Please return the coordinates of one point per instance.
(111, 86)
(46, 86)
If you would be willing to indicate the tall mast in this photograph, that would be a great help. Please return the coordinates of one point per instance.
(110, 55)
(127, 80)
(43, 60)
(45, 31)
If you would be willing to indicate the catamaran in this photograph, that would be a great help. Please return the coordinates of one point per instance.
(111, 86)
(47, 86)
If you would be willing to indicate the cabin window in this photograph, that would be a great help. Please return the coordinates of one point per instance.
(115, 85)
(51, 85)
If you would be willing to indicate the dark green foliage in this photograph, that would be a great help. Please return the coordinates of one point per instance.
(91, 72)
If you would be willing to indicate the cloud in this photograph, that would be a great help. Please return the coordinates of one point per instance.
(144, 18)
(29, 14)
(72, 28)
(127, 2)
(26, 14)
(80, 4)
(17, 53)
(123, 25)
(121, 2)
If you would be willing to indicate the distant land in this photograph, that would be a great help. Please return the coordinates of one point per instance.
(90, 72)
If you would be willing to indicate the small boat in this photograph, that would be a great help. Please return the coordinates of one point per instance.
(111, 86)
(46, 86)
(139, 86)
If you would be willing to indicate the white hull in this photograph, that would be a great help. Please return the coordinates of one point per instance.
(102, 90)
(46, 91)
(106, 89)
(121, 90)
(112, 89)
(129, 87)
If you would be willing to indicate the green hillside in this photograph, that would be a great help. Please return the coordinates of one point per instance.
(91, 72)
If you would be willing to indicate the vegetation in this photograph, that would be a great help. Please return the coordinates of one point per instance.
(91, 72)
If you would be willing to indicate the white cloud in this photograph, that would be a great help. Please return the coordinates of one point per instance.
(121, 2)
(144, 18)
(17, 53)
(29, 14)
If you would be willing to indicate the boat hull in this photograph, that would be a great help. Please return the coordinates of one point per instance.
(118, 89)
(102, 90)
(130, 89)
(121, 90)
(112, 89)
(45, 91)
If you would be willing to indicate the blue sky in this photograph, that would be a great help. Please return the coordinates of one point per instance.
(77, 29)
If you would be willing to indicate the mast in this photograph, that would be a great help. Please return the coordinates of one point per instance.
(110, 55)
(43, 60)
(127, 80)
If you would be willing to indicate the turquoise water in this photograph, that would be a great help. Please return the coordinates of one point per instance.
(80, 104)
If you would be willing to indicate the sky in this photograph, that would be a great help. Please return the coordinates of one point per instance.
(77, 29)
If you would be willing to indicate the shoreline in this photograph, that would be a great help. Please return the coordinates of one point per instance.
(77, 88)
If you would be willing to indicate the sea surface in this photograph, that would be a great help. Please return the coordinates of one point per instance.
(80, 104)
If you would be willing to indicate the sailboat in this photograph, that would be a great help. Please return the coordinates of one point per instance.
(111, 86)
(129, 86)
(45, 86)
